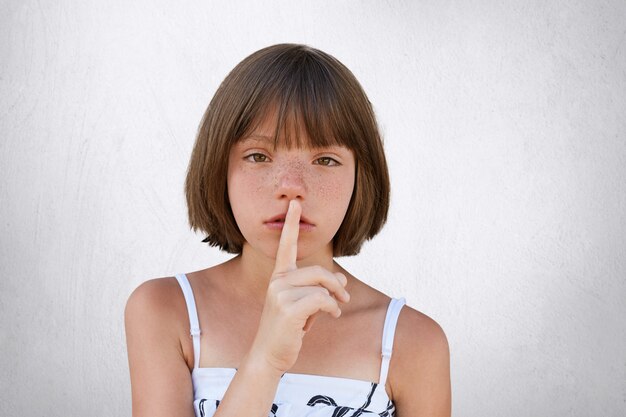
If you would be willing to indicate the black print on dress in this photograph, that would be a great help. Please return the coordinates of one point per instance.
(390, 411)
(201, 407)
(341, 411)
(321, 399)
(326, 400)
(362, 409)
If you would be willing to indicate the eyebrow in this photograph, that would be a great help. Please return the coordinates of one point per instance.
(254, 137)
(257, 138)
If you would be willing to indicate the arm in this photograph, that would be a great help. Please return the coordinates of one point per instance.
(160, 377)
(159, 374)
(251, 391)
(420, 367)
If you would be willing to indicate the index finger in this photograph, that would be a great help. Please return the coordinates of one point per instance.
(287, 252)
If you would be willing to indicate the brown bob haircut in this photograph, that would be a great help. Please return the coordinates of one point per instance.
(311, 92)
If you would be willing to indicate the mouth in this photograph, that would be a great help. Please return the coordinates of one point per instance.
(277, 223)
(281, 218)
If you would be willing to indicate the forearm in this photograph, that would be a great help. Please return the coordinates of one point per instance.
(251, 391)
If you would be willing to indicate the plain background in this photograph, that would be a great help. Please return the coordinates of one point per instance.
(505, 132)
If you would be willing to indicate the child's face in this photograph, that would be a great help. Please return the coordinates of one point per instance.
(262, 181)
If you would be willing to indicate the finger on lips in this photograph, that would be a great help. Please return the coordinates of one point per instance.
(287, 253)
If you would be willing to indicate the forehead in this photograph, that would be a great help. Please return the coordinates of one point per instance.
(291, 129)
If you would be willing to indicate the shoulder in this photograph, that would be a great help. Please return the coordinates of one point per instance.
(156, 307)
(156, 296)
(419, 372)
(419, 337)
(159, 368)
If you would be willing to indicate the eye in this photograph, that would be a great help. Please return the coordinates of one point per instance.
(256, 157)
(326, 161)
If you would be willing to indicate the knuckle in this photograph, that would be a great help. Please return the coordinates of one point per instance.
(332, 303)
(278, 276)
(320, 297)
(275, 292)
(318, 270)
(281, 298)
(276, 285)
(284, 309)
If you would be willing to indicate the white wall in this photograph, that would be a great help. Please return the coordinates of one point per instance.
(505, 131)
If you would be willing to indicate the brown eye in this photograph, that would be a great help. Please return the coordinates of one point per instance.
(326, 161)
(256, 157)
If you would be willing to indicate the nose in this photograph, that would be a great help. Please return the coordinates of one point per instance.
(290, 182)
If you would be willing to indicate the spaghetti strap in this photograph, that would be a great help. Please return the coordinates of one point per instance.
(393, 311)
(193, 316)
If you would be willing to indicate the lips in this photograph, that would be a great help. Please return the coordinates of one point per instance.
(277, 222)
(280, 218)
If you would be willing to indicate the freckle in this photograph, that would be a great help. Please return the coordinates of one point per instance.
(295, 165)
(327, 188)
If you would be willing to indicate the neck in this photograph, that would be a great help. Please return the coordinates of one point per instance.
(252, 271)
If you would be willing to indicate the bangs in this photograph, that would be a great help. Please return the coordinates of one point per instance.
(304, 95)
(309, 99)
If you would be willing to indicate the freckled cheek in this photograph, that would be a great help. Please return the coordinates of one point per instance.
(334, 190)
(327, 190)
(250, 182)
(245, 190)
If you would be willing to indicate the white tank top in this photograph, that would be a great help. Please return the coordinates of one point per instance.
(298, 395)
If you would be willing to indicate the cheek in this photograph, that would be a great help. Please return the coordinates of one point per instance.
(243, 184)
(333, 189)
(238, 189)
(335, 192)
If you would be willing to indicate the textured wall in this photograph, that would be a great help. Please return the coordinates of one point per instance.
(506, 137)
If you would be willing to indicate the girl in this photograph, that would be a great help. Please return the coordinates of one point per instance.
(287, 172)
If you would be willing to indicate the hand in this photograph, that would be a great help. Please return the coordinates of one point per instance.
(294, 297)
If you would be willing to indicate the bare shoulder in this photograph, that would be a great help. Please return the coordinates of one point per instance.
(156, 309)
(159, 296)
(159, 372)
(419, 337)
(419, 372)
